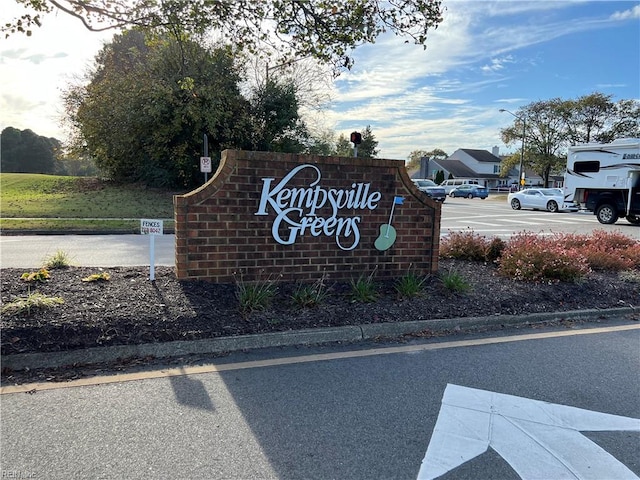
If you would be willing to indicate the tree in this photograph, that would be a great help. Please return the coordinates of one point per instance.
(439, 177)
(367, 149)
(324, 143)
(596, 118)
(546, 137)
(415, 157)
(554, 124)
(26, 152)
(276, 121)
(344, 148)
(325, 30)
(626, 123)
(586, 118)
(147, 104)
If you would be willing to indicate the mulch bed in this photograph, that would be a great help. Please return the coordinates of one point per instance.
(130, 309)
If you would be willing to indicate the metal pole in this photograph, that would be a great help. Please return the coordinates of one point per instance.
(524, 132)
(206, 154)
(522, 174)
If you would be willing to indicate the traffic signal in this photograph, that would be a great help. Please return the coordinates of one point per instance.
(356, 138)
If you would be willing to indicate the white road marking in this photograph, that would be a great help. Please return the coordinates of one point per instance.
(538, 439)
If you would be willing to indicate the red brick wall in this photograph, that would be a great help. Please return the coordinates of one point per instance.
(218, 233)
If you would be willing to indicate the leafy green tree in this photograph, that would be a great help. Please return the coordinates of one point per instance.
(367, 149)
(546, 137)
(275, 117)
(26, 152)
(344, 148)
(148, 103)
(324, 143)
(596, 118)
(77, 167)
(439, 177)
(626, 121)
(586, 117)
(551, 126)
(326, 30)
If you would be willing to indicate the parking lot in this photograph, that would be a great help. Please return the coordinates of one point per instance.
(493, 217)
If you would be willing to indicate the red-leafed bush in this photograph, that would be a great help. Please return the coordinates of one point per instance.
(531, 257)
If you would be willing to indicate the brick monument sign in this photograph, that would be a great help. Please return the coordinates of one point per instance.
(298, 217)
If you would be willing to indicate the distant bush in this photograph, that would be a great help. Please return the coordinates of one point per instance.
(560, 257)
(611, 251)
(471, 246)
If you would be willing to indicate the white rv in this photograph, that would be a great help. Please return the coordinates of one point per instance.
(605, 178)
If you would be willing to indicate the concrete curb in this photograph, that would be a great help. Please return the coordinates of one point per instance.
(289, 338)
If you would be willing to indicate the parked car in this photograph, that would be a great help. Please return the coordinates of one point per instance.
(550, 199)
(457, 182)
(432, 189)
(470, 191)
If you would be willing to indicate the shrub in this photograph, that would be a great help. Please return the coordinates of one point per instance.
(32, 301)
(255, 296)
(454, 282)
(364, 289)
(530, 257)
(468, 245)
(39, 276)
(58, 260)
(410, 285)
(611, 251)
(310, 295)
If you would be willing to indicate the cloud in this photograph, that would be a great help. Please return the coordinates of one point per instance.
(414, 98)
(497, 64)
(12, 54)
(627, 14)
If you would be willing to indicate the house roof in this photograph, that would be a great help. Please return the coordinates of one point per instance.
(456, 168)
(459, 170)
(481, 155)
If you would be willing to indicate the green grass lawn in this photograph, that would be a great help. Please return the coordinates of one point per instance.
(50, 202)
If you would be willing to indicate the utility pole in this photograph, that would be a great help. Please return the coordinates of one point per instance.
(521, 180)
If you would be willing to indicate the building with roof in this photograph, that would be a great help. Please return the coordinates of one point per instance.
(473, 164)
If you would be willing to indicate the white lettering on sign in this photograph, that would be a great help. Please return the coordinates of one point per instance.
(151, 227)
(296, 208)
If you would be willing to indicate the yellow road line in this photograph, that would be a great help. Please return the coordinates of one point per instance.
(212, 368)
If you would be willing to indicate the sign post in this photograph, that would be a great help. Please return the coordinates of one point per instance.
(151, 228)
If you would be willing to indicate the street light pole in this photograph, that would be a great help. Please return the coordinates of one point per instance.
(524, 132)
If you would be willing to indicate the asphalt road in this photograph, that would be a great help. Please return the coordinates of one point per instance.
(29, 251)
(366, 412)
(489, 217)
(493, 217)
